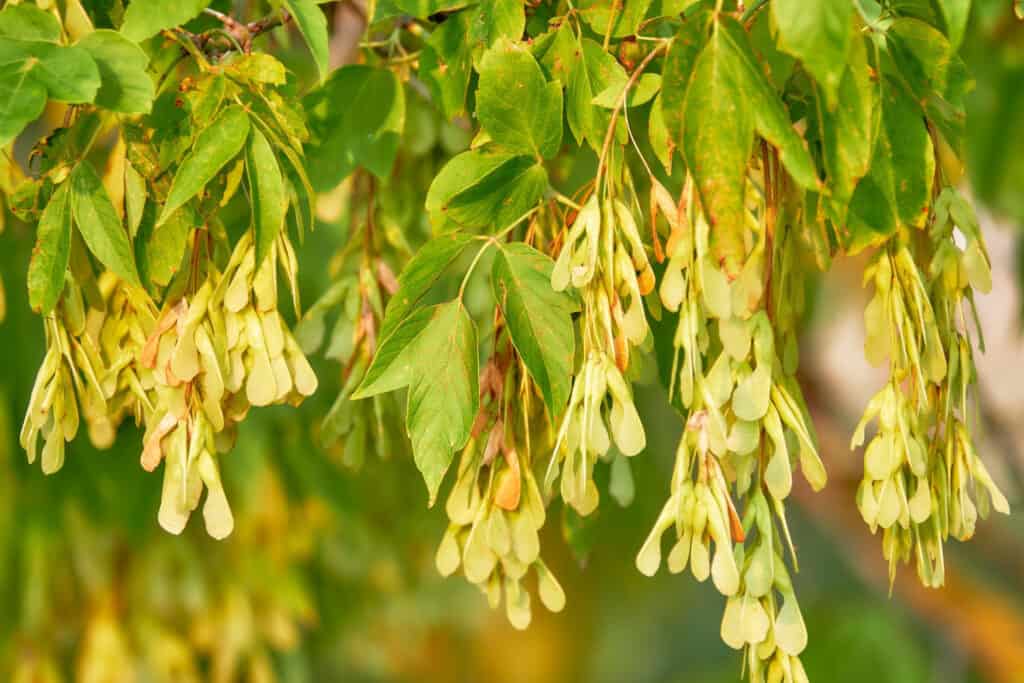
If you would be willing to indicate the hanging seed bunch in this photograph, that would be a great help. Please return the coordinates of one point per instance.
(746, 431)
(181, 329)
(362, 283)
(93, 324)
(495, 507)
(69, 386)
(923, 479)
(603, 259)
(121, 326)
(213, 356)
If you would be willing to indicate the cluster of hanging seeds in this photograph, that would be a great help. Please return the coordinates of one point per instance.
(923, 479)
(191, 351)
(83, 376)
(213, 355)
(362, 283)
(604, 259)
(746, 430)
(495, 508)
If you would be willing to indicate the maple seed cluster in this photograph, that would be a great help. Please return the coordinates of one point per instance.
(495, 511)
(188, 374)
(214, 356)
(87, 372)
(746, 430)
(604, 258)
(923, 479)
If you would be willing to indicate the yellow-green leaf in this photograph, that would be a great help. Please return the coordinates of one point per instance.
(50, 257)
(98, 223)
(266, 192)
(214, 148)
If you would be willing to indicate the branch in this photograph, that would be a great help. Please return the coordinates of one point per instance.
(244, 33)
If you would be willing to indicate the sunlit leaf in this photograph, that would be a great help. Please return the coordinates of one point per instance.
(214, 148)
(539, 319)
(98, 223)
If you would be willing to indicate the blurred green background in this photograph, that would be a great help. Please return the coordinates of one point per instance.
(329, 575)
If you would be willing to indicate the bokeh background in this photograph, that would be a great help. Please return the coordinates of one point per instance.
(329, 575)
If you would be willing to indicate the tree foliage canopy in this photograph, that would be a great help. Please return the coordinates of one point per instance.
(545, 200)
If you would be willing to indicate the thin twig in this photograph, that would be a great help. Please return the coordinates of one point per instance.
(621, 101)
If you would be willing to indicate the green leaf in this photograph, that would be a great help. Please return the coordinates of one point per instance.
(557, 55)
(493, 21)
(28, 22)
(345, 136)
(484, 188)
(642, 92)
(313, 25)
(770, 115)
(98, 223)
(49, 264)
(446, 64)
(267, 193)
(728, 99)
(625, 16)
(434, 352)
(135, 198)
(420, 9)
(539, 319)
(125, 86)
(216, 145)
(593, 72)
(718, 132)
(897, 189)
(68, 73)
(955, 14)
(22, 100)
(395, 357)
(847, 132)
(662, 143)
(515, 105)
(160, 251)
(443, 391)
(419, 275)
(927, 65)
(678, 67)
(923, 56)
(145, 18)
(817, 32)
